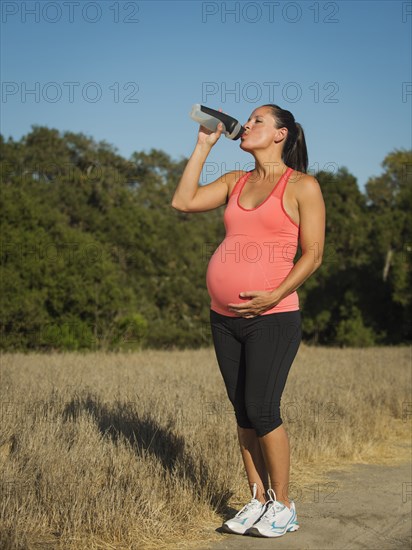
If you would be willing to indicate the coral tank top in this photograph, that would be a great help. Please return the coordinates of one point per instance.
(257, 252)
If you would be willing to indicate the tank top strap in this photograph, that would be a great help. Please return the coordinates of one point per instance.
(280, 187)
(239, 183)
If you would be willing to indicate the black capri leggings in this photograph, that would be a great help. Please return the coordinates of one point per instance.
(254, 356)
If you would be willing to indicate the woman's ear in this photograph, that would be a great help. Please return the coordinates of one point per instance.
(280, 135)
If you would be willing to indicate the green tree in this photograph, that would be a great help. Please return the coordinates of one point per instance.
(94, 256)
(341, 274)
(389, 199)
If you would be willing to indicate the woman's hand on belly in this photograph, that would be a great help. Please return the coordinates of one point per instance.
(261, 301)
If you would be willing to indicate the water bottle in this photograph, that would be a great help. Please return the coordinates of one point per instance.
(209, 118)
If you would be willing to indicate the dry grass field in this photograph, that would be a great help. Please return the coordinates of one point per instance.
(139, 450)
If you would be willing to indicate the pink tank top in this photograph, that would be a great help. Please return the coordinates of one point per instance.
(257, 252)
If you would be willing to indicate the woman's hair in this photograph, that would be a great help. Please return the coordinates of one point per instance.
(294, 153)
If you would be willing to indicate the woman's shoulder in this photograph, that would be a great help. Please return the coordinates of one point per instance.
(301, 180)
(236, 174)
(233, 177)
(304, 185)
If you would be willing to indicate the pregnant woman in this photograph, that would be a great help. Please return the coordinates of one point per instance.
(252, 281)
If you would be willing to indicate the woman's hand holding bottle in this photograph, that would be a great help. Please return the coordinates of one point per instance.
(208, 138)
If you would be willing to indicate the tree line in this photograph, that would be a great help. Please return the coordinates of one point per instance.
(93, 256)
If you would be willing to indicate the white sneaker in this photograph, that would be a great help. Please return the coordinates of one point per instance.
(246, 516)
(276, 520)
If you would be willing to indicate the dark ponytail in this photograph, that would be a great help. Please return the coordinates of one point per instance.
(294, 152)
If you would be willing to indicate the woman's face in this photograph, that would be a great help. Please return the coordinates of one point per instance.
(260, 131)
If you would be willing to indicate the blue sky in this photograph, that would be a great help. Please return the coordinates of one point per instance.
(136, 69)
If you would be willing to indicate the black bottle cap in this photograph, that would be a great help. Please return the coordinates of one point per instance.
(240, 133)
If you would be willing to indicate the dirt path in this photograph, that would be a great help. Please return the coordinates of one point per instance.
(361, 506)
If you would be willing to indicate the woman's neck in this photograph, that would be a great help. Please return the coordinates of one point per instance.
(268, 166)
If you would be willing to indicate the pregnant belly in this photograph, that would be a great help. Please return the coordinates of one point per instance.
(240, 264)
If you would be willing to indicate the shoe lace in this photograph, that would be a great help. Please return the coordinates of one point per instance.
(272, 506)
(250, 505)
(253, 503)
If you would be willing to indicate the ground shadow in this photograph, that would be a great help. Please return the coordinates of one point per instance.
(145, 435)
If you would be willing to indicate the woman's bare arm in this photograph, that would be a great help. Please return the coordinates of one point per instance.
(192, 197)
(189, 195)
(312, 219)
